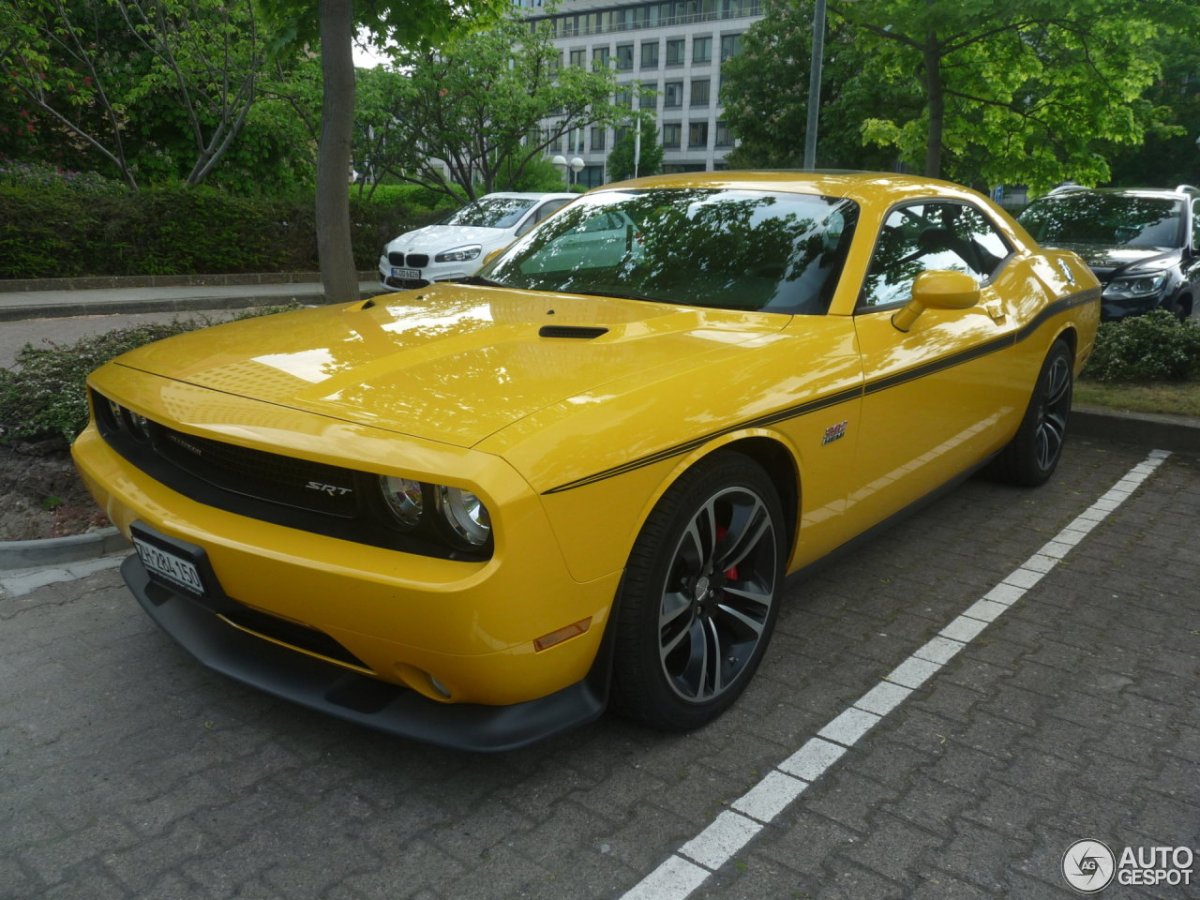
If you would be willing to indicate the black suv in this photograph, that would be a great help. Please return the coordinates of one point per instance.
(1143, 244)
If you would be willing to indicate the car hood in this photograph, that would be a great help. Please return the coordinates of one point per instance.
(1111, 260)
(436, 238)
(450, 363)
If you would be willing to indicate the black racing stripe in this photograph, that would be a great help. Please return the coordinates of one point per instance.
(774, 418)
(890, 381)
(879, 384)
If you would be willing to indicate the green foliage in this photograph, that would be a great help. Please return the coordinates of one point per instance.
(1153, 347)
(770, 123)
(45, 396)
(537, 175)
(153, 90)
(480, 101)
(47, 233)
(1029, 91)
(620, 160)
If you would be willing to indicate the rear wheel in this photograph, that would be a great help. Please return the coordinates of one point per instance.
(1032, 455)
(700, 595)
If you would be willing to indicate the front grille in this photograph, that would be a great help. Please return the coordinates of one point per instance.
(266, 476)
(413, 260)
(310, 496)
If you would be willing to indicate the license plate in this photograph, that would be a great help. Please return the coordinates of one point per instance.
(407, 274)
(180, 572)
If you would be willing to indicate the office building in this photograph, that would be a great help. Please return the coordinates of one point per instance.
(668, 58)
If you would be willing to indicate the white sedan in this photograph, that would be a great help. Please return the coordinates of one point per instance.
(458, 246)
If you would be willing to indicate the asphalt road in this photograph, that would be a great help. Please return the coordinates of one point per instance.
(128, 770)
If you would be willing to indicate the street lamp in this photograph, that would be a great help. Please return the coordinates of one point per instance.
(561, 160)
(576, 167)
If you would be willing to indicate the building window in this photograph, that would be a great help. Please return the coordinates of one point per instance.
(731, 45)
(698, 135)
(675, 52)
(624, 57)
(620, 133)
(577, 58)
(700, 92)
(600, 58)
(673, 95)
(701, 49)
(598, 137)
(671, 133)
(648, 97)
(724, 138)
(624, 97)
(650, 54)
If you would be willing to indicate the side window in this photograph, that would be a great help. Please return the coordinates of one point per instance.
(924, 236)
(1196, 225)
(550, 206)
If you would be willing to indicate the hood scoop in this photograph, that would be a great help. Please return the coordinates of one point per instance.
(575, 332)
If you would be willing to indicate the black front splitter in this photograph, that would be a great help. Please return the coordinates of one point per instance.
(357, 698)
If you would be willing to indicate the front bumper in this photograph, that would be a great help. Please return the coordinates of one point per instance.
(357, 698)
(427, 275)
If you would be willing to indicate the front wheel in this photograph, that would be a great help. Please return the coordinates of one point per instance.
(1032, 455)
(700, 595)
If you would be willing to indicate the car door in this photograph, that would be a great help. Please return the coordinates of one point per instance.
(941, 396)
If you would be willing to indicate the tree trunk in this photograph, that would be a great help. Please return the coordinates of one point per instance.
(334, 249)
(936, 92)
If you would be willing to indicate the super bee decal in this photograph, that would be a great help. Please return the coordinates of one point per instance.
(834, 433)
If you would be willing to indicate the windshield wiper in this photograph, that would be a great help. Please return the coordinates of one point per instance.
(478, 281)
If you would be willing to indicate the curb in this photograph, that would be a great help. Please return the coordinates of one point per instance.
(1180, 434)
(109, 282)
(58, 551)
(306, 295)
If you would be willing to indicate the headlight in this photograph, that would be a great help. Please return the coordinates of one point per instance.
(141, 425)
(1130, 286)
(460, 254)
(466, 515)
(405, 499)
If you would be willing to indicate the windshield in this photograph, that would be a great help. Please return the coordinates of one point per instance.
(1105, 220)
(491, 212)
(727, 249)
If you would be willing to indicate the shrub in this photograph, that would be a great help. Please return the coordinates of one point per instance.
(45, 395)
(1153, 347)
(48, 230)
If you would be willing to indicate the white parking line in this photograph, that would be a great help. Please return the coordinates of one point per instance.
(690, 866)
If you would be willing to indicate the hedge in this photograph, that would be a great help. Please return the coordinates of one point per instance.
(49, 232)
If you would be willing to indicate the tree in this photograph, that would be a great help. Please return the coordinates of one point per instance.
(765, 93)
(1025, 91)
(621, 159)
(417, 23)
(474, 110)
(98, 73)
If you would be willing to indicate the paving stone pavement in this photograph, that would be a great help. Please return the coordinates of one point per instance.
(128, 770)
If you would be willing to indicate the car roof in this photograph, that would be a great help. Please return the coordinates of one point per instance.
(886, 187)
(528, 195)
(1180, 192)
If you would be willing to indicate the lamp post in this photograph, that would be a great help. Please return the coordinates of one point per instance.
(576, 167)
(561, 160)
(814, 86)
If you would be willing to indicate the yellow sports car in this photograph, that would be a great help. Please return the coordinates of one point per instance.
(478, 512)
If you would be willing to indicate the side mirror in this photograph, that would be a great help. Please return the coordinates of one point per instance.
(937, 289)
(491, 257)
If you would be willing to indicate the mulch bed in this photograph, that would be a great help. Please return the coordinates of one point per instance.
(43, 496)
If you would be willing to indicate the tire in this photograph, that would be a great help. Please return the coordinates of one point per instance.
(1033, 454)
(702, 585)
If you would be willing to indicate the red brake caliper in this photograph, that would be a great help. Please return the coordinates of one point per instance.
(732, 572)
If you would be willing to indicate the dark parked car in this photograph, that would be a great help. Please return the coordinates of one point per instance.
(1143, 244)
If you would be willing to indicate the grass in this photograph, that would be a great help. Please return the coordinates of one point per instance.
(1176, 398)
